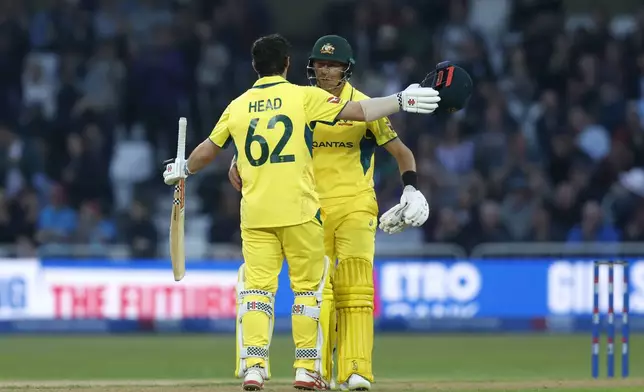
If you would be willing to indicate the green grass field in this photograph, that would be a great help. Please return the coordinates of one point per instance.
(402, 363)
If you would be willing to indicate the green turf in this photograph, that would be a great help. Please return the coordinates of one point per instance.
(411, 357)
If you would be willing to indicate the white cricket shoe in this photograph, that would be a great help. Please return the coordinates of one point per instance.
(306, 380)
(356, 383)
(254, 379)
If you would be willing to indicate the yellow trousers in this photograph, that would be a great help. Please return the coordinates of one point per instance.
(264, 251)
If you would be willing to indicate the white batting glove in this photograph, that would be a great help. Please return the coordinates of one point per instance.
(175, 170)
(417, 210)
(392, 222)
(413, 210)
(416, 99)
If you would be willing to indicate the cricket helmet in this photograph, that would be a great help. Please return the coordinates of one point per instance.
(331, 48)
(454, 85)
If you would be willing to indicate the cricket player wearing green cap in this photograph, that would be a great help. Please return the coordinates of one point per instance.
(343, 162)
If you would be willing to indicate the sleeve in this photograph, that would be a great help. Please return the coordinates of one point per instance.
(220, 134)
(321, 106)
(382, 130)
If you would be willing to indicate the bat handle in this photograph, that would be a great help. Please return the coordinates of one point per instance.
(181, 144)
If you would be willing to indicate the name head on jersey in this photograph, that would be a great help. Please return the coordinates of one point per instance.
(454, 85)
(271, 55)
(330, 62)
(264, 105)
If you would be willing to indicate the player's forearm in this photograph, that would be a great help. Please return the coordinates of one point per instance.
(370, 109)
(202, 156)
(402, 154)
(376, 108)
(406, 161)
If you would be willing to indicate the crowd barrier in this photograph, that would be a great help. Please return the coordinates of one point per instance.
(541, 294)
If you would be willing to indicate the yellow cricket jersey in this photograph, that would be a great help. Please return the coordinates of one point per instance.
(343, 152)
(269, 125)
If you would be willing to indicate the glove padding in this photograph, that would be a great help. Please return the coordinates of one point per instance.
(417, 99)
(413, 210)
(392, 222)
(175, 170)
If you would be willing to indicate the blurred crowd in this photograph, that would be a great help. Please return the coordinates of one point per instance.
(550, 147)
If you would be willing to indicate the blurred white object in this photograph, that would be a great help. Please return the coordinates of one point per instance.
(132, 163)
(623, 25)
(633, 180)
(594, 141)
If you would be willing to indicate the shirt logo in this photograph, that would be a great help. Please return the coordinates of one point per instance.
(332, 143)
(333, 100)
(327, 49)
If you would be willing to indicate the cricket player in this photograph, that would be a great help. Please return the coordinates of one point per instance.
(343, 166)
(272, 126)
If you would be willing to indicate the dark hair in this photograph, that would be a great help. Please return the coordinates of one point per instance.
(270, 54)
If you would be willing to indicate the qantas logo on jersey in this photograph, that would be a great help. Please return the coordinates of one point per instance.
(333, 100)
(333, 144)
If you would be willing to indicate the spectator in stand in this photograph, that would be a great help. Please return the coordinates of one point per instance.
(593, 227)
(57, 221)
(556, 106)
(94, 229)
(142, 237)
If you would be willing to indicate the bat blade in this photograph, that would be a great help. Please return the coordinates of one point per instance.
(177, 219)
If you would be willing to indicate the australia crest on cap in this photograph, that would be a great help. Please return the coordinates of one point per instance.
(327, 49)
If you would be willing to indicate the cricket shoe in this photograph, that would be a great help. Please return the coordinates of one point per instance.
(356, 383)
(306, 380)
(254, 379)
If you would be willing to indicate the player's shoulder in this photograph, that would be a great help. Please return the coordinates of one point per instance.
(286, 89)
(243, 98)
(357, 95)
(311, 90)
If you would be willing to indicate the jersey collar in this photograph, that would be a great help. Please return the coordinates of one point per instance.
(347, 92)
(268, 81)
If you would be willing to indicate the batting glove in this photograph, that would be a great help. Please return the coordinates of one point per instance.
(392, 222)
(417, 210)
(175, 169)
(416, 99)
(412, 210)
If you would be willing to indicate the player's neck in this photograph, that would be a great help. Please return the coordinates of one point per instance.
(337, 91)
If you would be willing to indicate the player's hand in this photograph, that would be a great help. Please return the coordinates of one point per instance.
(413, 210)
(391, 222)
(416, 99)
(233, 176)
(175, 170)
(417, 210)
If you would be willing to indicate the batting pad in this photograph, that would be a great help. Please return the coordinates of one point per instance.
(254, 327)
(353, 289)
(310, 327)
(328, 320)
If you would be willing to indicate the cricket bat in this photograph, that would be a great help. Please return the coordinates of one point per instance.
(177, 248)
